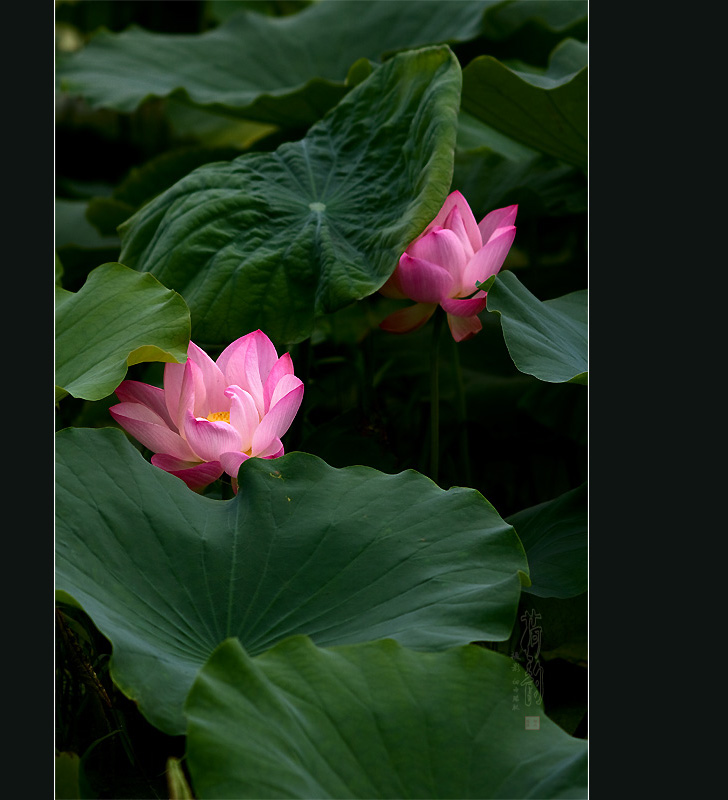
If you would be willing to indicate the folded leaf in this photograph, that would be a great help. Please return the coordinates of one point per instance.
(547, 340)
(555, 537)
(545, 111)
(119, 317)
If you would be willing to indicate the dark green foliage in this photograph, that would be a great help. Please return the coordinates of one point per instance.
(340, 590)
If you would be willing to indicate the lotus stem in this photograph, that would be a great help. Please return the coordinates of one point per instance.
(462, 414)
(435, 394)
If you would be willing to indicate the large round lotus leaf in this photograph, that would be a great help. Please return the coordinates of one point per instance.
(288, 70)
(269, 240)
(548, 340)
(373, 720)
(342, 555)
(116, 319)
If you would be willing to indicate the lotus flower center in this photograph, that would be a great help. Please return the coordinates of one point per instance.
(219, 416)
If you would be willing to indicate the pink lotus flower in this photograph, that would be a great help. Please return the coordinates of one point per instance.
(213, 415)
(443, 263)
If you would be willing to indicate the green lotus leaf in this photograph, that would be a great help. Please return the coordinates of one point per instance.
(554, 535)
(492, 171)
(373, 720)
(545, 111)
(279, 70)
(212, 128)
(221, 10)
(559, 17)
(144, 183)
(269, 240)
(59, 272)
(545, 339)
(72, 228)
(341, 555)
(118, 318)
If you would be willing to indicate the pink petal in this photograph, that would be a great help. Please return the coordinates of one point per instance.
(232, 361)
(488, 260)
(284, 366)
(186, 391)
(465, 307)
(209, 439)
(196, 396)
(470, 240)
(408, 319)
(285, 385)
(196, 476)
(424, 281)
(137, 411)
(247, 362)
(231, 462)
(211, 375)
(274, 450)
(150, 396)
(267, 354)
(463, 328)
(500, 218)
(151, 430)
(232, 355)
(277, 421)
(173, 374)
(442, 248)
(456, 200)
(243, 415)
(168, 463)
(392, 287)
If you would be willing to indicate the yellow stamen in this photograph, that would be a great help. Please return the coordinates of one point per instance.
(219, 416)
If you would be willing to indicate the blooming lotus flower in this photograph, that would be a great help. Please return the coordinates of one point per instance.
(442, 265)
(213, 415)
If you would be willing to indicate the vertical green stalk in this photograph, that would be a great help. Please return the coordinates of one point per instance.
(368, 375)
(462, 415)
(435, 393)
